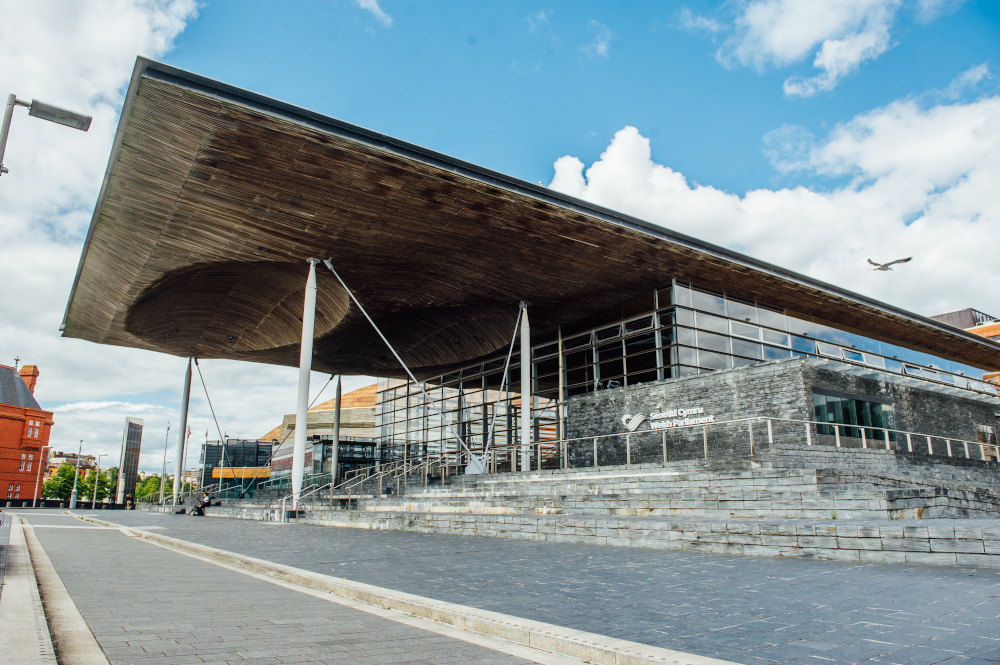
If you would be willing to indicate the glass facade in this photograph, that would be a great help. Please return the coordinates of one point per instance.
(682, 331)
(864, 412)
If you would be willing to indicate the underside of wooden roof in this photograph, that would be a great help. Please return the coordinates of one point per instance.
(215, 197)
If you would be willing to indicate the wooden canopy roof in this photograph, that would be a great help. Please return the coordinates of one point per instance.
(214, 198)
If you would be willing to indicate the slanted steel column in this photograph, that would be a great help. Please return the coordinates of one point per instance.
(181, 437)
(525, 390)
(336, 436)
(560, 406)
(305, 367)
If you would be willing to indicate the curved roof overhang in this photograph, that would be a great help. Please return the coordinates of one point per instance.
(214, 197)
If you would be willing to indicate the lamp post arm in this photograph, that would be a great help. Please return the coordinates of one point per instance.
(12, 101)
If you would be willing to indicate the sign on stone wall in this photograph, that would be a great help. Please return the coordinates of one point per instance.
(668, 418)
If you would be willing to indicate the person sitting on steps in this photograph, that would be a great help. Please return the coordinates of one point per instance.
(206, 501)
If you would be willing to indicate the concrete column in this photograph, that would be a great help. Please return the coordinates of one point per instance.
(181, 435)
(525, 389)
(334, 457)
(305, 367)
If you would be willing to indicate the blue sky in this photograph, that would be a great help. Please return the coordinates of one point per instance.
(475, 81)
(810, 133)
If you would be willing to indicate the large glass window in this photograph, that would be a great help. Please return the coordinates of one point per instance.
(693, 331)
(857, 412)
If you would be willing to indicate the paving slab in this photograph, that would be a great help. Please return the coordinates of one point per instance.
(739, 608)
(150, 605)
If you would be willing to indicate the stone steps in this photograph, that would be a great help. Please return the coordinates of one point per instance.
(802, 501)
(934, 542)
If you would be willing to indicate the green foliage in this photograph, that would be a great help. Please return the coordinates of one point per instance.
(60, 486)
(151, 485)
(113, 478)
(85, 488)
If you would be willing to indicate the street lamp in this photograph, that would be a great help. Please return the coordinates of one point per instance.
(163, 476)
(42, 462)
(163, 483)
(76, 477)
(41, 110)
(97, 481)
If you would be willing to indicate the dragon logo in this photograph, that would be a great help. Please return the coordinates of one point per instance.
(632, 422)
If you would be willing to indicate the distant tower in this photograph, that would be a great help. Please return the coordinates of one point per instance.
(128, 467)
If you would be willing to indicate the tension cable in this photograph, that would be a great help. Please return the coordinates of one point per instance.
(329, 264)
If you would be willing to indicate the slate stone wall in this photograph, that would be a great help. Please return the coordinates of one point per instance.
(774, 390)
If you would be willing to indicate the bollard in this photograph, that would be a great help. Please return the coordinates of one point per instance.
(750, 427)
(664, 447)
(836, 433)
(595, 451)
(887, 446)
(966, 450)
(948, 443)
(628, 448)
(909, 443)
(704, 438)
(770, 434)
(930, 448)
(809, 440)
(864, 440)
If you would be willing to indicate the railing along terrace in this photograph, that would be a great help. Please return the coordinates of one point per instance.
(747, 436)
(741, 438)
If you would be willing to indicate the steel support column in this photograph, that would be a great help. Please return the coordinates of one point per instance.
(335, 453)
(305, 367)
(525, 390)
(181, 438)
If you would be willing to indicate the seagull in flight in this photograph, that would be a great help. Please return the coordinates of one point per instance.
(886, 266)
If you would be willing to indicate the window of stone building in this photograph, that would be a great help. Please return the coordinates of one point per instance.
(986, 434)
(872, 415)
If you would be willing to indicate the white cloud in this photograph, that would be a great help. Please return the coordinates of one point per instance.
(970, 78)
(376, 11)
(839, 35)
(692, 22)
(601, 46)
(81, 57)
(928, 10)
(782, 32)
(921, 183)
(537, 20)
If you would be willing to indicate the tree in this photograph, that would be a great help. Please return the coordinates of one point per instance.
(151, 485)
(60, 485)
(85, 489)
(113, 479)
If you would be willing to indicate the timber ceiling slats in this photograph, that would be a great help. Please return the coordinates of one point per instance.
(440, 259)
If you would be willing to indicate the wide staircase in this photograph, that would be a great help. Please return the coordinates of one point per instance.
(783, 482)
(787, 500)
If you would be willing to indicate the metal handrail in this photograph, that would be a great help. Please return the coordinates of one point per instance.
(751, 419)
(447, 459)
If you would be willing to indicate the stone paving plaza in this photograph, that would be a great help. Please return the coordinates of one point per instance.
(743, 609)
(151, 605)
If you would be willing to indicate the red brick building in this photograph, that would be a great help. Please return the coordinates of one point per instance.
(24, 431)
